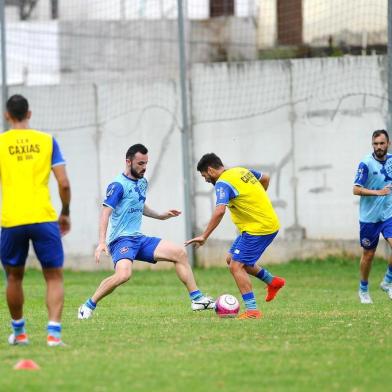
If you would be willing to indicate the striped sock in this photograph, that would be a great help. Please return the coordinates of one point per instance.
(363, 285)
(250, 301)
(91, 304)
(18, 326)
(54, 329)
(195, 295)
(265, 276)
(388, 275)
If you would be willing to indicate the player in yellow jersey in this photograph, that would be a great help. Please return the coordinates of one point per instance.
(243, 191)
(27, 157)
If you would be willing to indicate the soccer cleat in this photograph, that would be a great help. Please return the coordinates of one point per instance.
(19, 340)
(84, 312)
(203, 303)
(364, 297)
(52, 341)
(387, 287)
(273, 288)
(250, 314)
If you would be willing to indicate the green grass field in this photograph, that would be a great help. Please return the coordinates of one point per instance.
(314, 336)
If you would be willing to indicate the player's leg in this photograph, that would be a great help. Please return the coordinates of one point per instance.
(122, 273)
(250, 248)
(369, 236)
(274, 283)
(241, 277)
(14, 249)
(123, 252)
(47, 245)
(168, 251)
(54, 302)
(386, 283)
(364, 270)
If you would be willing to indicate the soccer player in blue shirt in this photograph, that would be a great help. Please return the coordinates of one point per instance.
(120, 235)
(373, 184)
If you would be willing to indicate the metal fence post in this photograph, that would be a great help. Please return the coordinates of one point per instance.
(185, 132)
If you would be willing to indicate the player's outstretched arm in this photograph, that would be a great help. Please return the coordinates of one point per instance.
(155, 215)
(65, 195)
(103, 226)
(212, 225)
(361, 191)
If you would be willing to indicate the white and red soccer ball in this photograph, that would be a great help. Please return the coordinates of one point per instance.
(227, 305)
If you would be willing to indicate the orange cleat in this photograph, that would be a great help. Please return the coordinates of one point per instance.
(250, 314)
(273, 288)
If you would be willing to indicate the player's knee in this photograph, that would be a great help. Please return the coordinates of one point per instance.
(180, 256)
(123, 276)
(234, 266)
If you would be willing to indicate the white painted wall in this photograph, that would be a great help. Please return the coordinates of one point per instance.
(248, 114)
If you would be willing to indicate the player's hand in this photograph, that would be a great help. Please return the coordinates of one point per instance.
(197, 241)
(385, 191)
(101, 248)
(65, 224)
(170, 214)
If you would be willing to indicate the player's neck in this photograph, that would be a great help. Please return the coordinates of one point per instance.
(19, 124)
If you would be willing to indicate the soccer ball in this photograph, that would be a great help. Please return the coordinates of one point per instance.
(227, 305)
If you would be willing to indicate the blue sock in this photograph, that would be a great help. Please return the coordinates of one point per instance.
(363, 285)
(250, 301)
(54, 329)
(388, 275)
(195, 295)
(91, 304)
(265, 276)
(18, 327)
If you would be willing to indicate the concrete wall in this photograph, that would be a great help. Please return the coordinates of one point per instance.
(306, 122)
(99, 50)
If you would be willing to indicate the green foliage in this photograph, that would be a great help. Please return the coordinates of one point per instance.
(314, 336)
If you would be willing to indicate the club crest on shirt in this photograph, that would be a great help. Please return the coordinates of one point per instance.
(222, 194)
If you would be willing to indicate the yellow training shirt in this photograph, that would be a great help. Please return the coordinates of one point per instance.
(250, 207)
(25, 166)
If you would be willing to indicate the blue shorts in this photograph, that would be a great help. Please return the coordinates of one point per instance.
(248, 248)
(369, 233)
(46, 239)
(138, 247)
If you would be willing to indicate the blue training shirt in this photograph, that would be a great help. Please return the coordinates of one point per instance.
(374, 174)
(126, 197)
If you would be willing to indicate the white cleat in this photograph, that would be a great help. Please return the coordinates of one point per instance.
(387, 287)
(203, 303)
(84, 312)
(364, 297)
(19, 340)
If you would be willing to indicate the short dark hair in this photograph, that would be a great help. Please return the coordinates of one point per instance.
(17, 107)
(135, 149)
(209, 160)
(380, 132)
